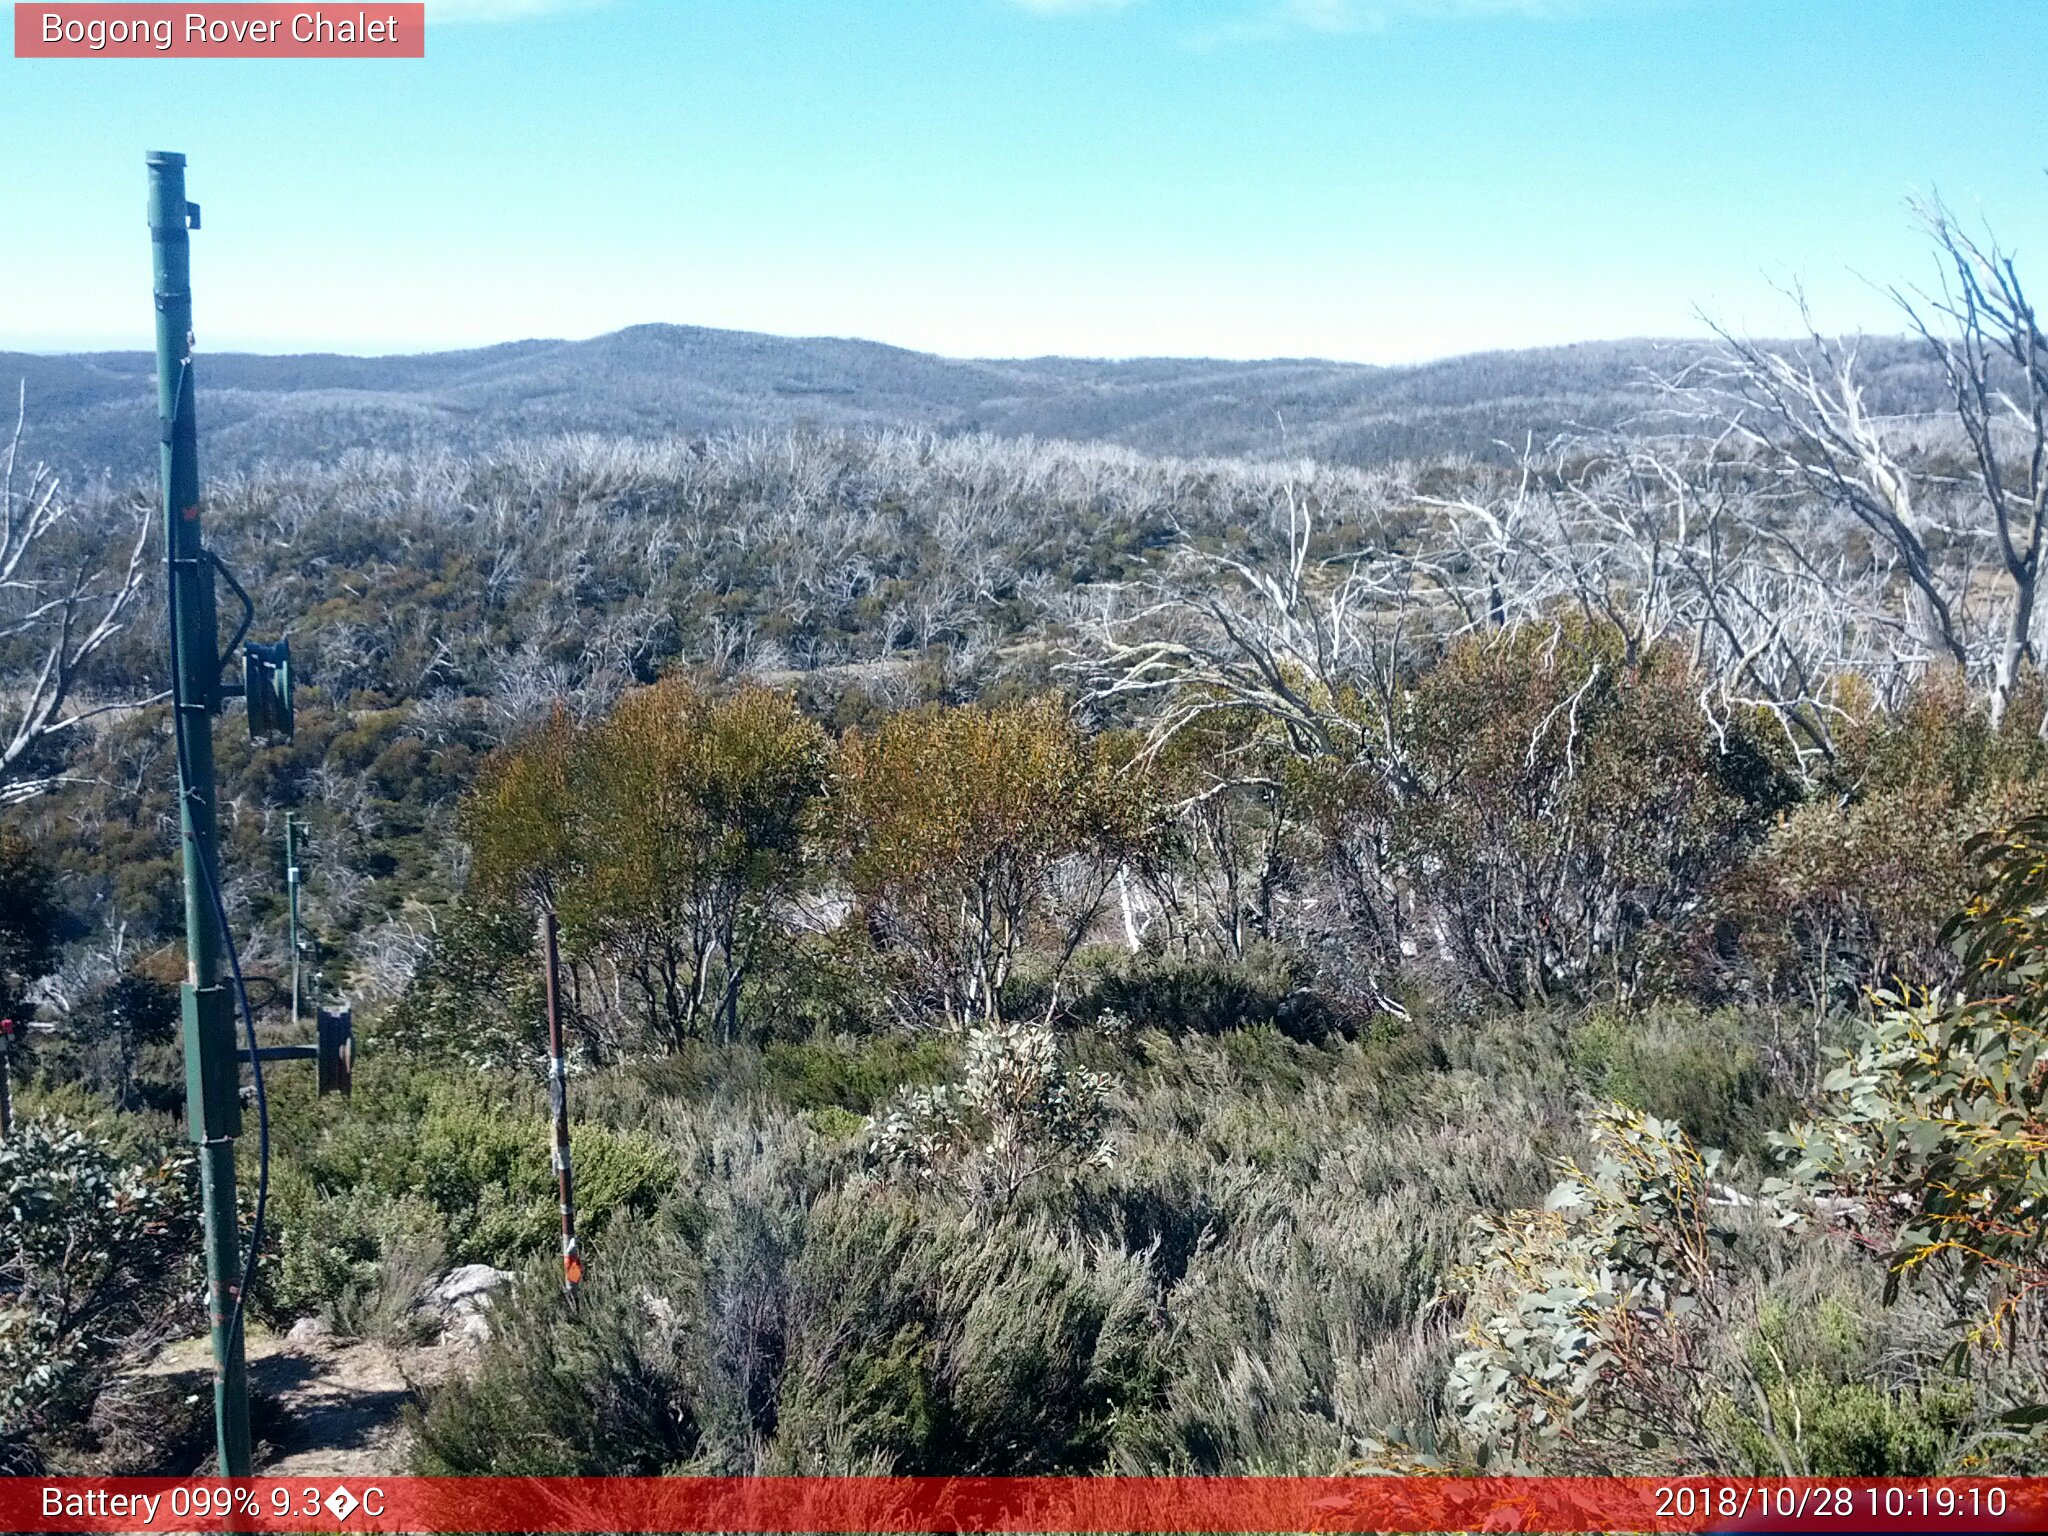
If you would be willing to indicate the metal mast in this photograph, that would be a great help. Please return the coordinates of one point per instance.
(213, 1112)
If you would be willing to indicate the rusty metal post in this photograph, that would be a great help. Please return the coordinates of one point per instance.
(6, 1079)
(558, 1102)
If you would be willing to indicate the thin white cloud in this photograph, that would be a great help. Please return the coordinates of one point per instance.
(1253, 19)
(503, 10)
(1371, 15)
(1071, 7)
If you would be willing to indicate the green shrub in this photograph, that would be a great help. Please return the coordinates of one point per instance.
(1589, 1322)
(925, 1342)
(359, 1257)
(1820, 1408)
(475, 996)
(1930, 1125)
(96, 1249)
(1570, 796)
(31, 919)
(811, 986)
(1213, 994)
(1857, 1429)
(1678, 1063)
(602, 1388)
(799, 1327)
(444, 1153)
(853, 1074)
(1022, 1120)
(1851, 889)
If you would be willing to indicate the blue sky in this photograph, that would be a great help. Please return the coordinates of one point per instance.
(1380, 180)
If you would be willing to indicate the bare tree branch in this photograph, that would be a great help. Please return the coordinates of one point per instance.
(68, 604)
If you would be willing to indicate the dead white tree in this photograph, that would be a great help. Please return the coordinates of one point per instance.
(61, 602)
(1803, 413)
(1311, 646)
(1947, 499)
(1995, 359)
(1294, 655)
(1667, 541)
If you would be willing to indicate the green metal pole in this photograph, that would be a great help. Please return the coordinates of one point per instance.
(213, 1110)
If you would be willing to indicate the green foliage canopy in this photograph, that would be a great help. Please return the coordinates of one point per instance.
(666, 837)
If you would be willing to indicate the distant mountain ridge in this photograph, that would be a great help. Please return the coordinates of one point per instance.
(94, 412)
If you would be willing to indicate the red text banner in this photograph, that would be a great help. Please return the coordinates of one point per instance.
(1847, 1506)
(104, 30)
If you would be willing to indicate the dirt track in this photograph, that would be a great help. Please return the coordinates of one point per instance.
(339, 1403)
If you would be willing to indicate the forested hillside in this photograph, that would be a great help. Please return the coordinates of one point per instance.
(1344, 954)
(94, 412)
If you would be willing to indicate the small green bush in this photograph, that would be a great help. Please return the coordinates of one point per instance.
(1213, 994)
(1821, 1412)
(432, 1164)
(359, 1257)
(96, 1250)
(1858, 1429)
(922, 1341)
(853, 1075)
(602, 1388)
(1678, 1063)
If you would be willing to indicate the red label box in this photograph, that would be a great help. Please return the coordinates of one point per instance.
(108, 29)
(1166, 1506)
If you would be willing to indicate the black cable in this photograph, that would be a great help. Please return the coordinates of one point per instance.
(220, 912)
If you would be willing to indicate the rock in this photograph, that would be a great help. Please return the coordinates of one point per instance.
(468, 1290)
(310, 1330)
